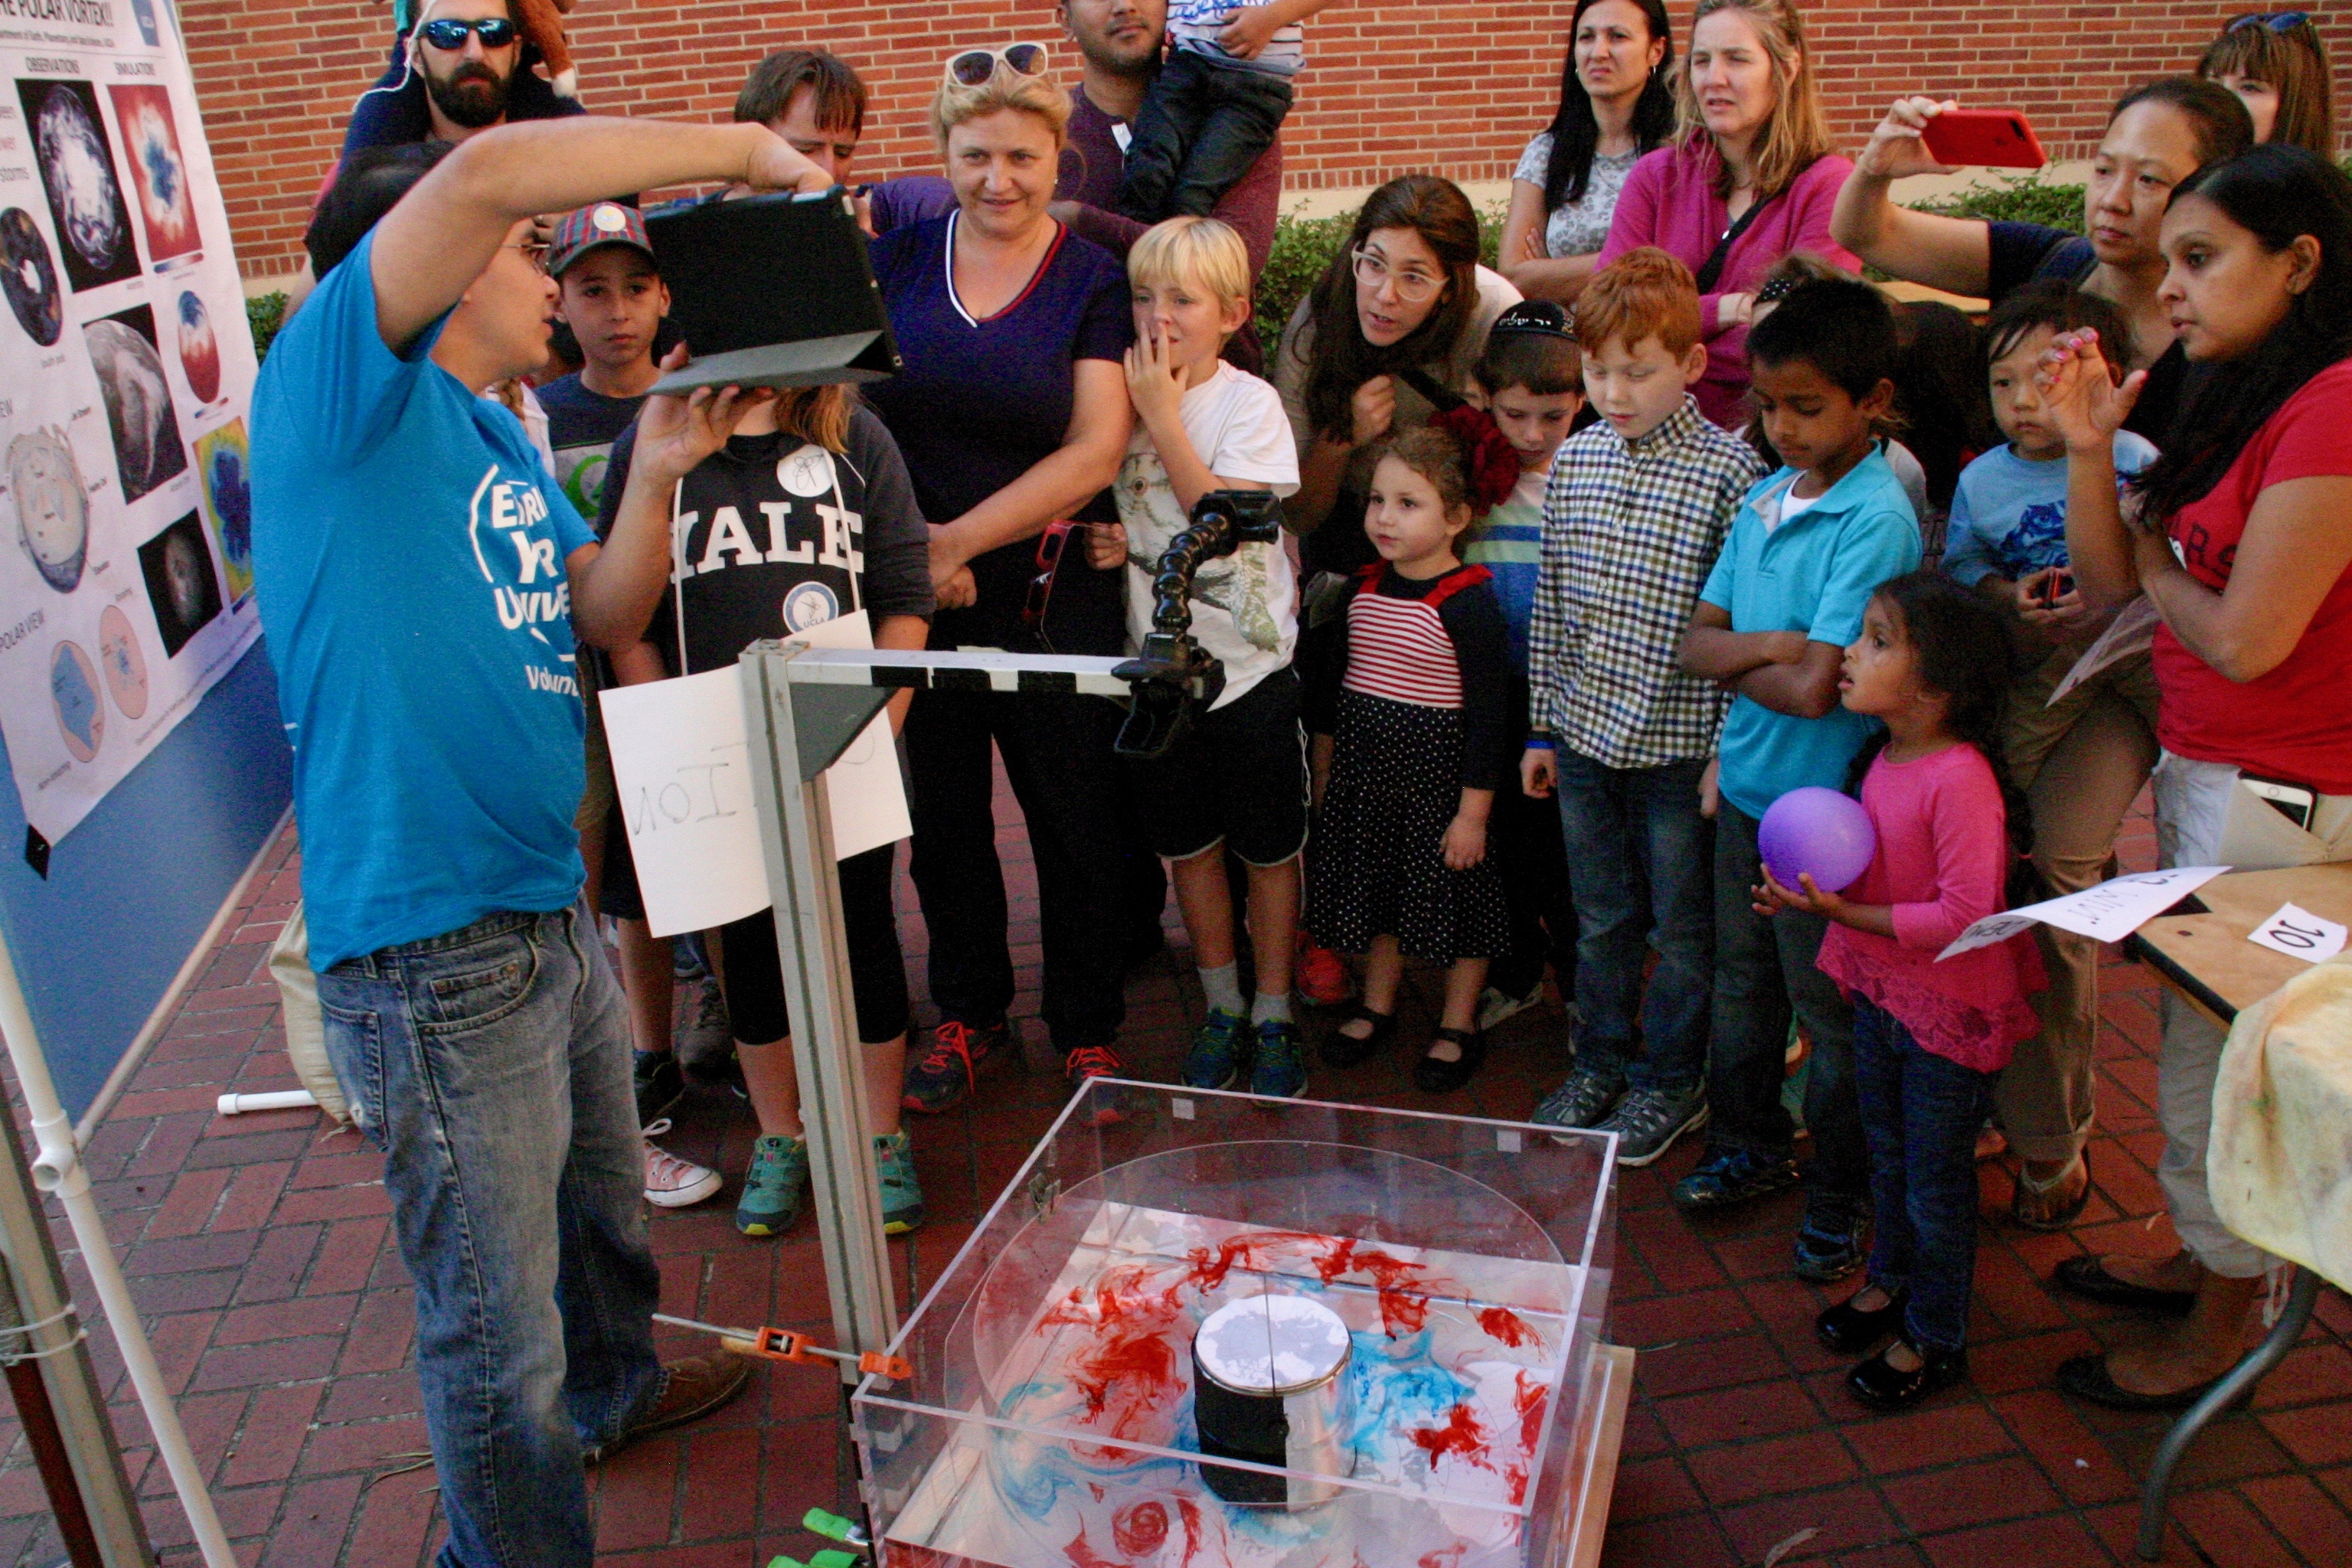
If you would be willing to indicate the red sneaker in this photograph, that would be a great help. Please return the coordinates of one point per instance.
(1320, 975)
(944, 1074)
(1091, 1062)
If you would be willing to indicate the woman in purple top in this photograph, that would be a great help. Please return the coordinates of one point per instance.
(1750, 180)
(1012, 412)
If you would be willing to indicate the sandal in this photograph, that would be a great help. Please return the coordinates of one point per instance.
(2028, 1205)
(1433, 1076)
(1341, 1049)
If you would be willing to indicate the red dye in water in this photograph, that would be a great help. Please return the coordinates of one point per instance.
(1448, 1558)
(1403, 1311)
(1190, 1512)
(1502, 1323)
(1139, 1527)
(1128, 1373)
(1529, 1400)
(1461, 1435)
(1081, 1555)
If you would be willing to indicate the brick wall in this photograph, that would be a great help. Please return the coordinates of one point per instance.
(1456, 88)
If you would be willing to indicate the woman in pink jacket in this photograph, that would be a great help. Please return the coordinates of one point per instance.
(1749, 179)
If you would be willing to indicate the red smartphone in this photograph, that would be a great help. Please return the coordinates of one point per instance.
(1983, 138)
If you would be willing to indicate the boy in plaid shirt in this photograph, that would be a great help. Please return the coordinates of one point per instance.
(1633, 518)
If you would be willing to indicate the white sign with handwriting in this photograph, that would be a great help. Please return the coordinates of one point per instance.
(2109, 912)
(684, 771)
(2298, 933)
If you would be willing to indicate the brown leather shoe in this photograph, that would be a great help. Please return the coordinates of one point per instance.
(691, 1389)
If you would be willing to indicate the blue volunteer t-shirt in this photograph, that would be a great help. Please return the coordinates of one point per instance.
(409, 549)
(1813, 573)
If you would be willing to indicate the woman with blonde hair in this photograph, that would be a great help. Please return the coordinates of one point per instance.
(2274, 62)
(1748, 178)
(1012, 412)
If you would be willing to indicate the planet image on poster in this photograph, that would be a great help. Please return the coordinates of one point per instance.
(199, 349)
(120, 662)
(78, 169)
(28, 276)
(73, 692)
(182, 587)
(52, 506)
(158, 170)
(147, 448)
(226, 465)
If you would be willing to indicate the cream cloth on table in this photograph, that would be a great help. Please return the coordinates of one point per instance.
(2280, 1164)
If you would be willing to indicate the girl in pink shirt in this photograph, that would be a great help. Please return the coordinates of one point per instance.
(1930, 1036)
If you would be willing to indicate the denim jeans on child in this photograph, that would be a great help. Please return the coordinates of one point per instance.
(1764, 970)
(1637, 846)
(1203, 125)
(1922, 1113)
(492, 1067)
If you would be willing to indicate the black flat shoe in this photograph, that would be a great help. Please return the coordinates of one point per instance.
(2085, 1278)
(1341, 1049)
(1850, 1330)
(1882, 1387)
(1431, 1076)
(2086, 1377)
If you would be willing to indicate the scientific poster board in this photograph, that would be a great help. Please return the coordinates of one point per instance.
(146, 762)
(126, 578)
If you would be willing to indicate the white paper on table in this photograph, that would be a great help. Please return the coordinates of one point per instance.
(683, 765)
(684, 771)
(2298, 933)
(869, 794)
(2132, 631)
(2109, 912)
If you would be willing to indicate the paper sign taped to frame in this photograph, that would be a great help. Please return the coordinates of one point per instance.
(683, 763)
(2109, 912)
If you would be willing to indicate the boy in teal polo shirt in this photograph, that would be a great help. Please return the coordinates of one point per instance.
(1810, 543)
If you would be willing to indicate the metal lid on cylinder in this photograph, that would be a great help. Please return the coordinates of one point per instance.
(1271, 1345)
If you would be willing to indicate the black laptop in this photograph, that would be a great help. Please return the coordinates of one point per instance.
(772, 290)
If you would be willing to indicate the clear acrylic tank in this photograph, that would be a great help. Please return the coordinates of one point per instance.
(1051, 1417)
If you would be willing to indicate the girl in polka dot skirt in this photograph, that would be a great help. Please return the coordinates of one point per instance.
(1401, 868)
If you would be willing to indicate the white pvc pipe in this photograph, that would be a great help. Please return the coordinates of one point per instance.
(57, 1168)
(271, 1099)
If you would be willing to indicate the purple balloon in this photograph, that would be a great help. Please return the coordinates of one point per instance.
(1819, 831)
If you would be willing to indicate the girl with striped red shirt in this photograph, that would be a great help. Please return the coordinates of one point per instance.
(1401, 868)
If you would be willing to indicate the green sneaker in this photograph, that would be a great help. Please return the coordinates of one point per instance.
(1215, 1058)
(774, 1188)
(902, 1196)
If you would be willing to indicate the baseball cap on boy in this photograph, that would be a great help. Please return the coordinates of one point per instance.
(592, 227)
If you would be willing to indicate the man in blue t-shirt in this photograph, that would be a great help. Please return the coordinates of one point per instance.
(420, 577)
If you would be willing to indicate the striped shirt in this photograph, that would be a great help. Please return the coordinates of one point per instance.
(1508, 542)
(1630, 531)
(1435, 642)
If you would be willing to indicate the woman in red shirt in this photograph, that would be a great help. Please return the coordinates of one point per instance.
(2240, 535)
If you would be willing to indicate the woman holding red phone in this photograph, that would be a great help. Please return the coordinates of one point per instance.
(2240, 535)
(2155, 137)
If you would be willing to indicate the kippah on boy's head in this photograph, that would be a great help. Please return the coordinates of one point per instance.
(369, 185)
(1642, 294)
(1532, 346)
(1843, 327)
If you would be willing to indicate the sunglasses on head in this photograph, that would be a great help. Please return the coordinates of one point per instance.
(449, 33)
(977, 68)
(2276, 21)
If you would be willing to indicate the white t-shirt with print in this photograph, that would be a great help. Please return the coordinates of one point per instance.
(1245, 605)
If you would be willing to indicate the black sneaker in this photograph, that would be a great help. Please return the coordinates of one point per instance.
(1831, 1243)
(1087, 1063)
(946, 1073)
(1727, 1176)
(661, 1084)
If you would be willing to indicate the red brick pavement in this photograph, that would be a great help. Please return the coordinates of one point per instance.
(258, 1248)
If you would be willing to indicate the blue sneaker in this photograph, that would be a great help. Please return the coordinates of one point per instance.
(1725, 1176)
(774, 1188)
(1215, 1058)
(1833, 1242)
(1281, 1070)
(902, 1196)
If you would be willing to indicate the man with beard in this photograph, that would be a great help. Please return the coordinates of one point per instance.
(446, 85)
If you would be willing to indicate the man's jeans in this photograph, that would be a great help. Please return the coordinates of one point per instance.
(1635, 838)
(1923, 1113)
(1203, 125)
(1764, 971)
(492, 1067)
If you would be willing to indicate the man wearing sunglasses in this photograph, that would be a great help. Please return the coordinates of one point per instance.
(463, 69)
(422, 578)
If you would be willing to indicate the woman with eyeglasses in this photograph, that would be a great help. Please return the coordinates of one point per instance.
(1013, 414)
(2274, 62)
(1616, 102)
(1749, 179)
(2156, 136)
